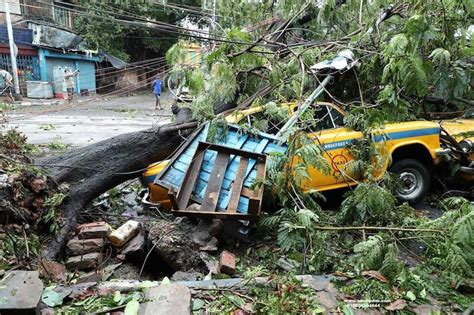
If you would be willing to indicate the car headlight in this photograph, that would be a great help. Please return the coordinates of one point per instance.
(467, 146)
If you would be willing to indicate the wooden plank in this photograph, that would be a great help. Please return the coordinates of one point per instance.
(190, 177)
(246, 192)
(172, 197)
(186, 145)
(260, 148)
(255, 202)
(237, 185)
(230, 151)
(214, 186)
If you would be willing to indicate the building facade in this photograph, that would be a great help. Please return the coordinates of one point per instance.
(46, 48)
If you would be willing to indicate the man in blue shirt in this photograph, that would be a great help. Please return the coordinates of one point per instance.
(157, 84)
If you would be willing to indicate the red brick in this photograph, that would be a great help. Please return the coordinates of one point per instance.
(227, 263)
(93, 230)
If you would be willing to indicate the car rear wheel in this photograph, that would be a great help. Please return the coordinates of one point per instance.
(415, 180)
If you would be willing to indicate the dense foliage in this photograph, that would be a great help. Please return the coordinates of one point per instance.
(414, 59)
(131, 29)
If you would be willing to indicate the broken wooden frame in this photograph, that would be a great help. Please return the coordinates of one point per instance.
(209, 205)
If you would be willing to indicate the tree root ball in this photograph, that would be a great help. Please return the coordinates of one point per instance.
(175, 245)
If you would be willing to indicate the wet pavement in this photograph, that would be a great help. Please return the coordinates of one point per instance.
(89, 120)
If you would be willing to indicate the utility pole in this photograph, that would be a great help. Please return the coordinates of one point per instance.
(12, 49)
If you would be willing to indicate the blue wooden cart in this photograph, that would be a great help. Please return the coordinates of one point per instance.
(220, 177)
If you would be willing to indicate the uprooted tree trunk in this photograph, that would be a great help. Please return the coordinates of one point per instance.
(93, 170)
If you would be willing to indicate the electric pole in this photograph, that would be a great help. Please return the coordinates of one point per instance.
(12, 49)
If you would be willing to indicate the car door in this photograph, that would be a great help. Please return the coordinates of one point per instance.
(328, 131)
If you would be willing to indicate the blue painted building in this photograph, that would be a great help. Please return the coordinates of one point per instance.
(50, 59)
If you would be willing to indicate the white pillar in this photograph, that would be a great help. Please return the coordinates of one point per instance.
(12, 49)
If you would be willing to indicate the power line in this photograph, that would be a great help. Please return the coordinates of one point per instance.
(168, 28)
(133, 87)
(114, 93)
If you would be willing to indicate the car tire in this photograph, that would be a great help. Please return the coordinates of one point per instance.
(415, 180)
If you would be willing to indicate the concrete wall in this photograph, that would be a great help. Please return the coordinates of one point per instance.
(15, 11)
(15, 7)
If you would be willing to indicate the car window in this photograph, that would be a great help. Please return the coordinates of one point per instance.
(323, 118)
(337, 117)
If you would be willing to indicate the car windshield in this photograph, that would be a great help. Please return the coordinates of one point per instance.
(319, 117)
(322, 117)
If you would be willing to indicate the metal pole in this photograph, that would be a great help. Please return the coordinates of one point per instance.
(12, 49)
(307, 103)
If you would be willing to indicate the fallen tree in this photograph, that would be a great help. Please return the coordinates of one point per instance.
(272, 65)
(92, 170)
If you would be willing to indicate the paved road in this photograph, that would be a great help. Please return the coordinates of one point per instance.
(90, 121)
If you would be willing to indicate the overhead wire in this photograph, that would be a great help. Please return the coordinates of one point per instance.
(140, 84)
(168, 28)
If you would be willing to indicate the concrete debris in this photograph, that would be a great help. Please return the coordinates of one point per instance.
(135, 245)
(167, 299)
(318, 283)
(227, 263)
(124, 233)
(20, 292)
(184, 276)
(83, 262)
(3, 180)
(93, 230)
(77, 246)
(327, 300)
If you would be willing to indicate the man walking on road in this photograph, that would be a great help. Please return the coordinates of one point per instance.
(157, 91)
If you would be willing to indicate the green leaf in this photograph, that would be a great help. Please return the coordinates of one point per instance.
(165, 280)
(51, 297)
(423, 293)
(197, 304)
(132, 307)
(236, 300)
(411, 296)
(117, 296)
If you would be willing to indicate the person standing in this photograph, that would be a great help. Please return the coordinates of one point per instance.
(157, 84)
(8, 84)
(69, 78)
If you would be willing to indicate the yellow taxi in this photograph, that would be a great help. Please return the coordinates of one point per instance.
(413, 150)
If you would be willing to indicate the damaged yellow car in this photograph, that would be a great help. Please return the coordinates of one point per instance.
(415, 149)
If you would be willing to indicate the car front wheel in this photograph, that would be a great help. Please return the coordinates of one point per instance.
(415, 180)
